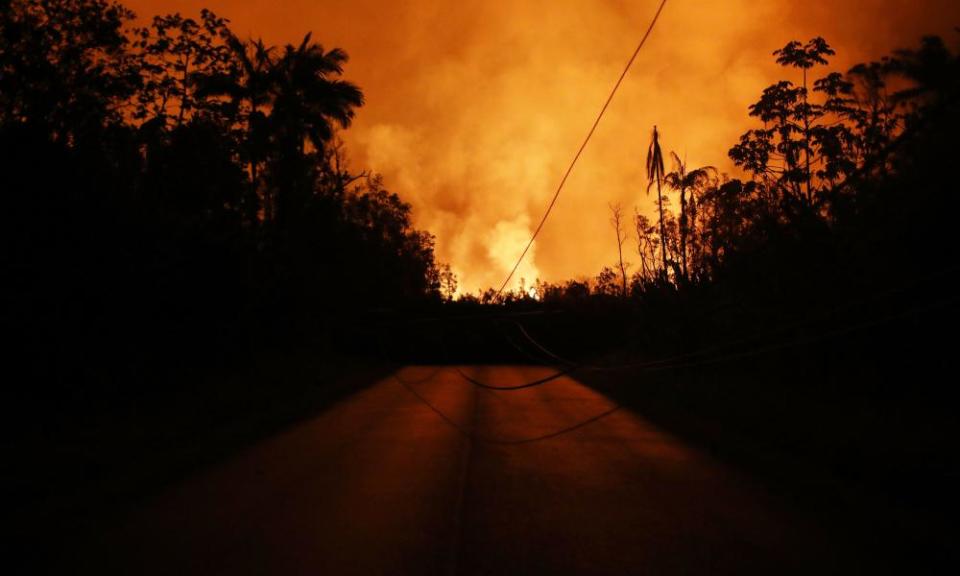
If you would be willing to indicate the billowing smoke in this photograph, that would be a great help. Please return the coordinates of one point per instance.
(502, 243)
(475, 107)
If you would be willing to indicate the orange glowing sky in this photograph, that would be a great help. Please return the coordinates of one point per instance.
(474, 107)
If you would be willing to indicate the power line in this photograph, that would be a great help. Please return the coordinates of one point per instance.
(524, 386)
(652, 367)
(583, 146)
(701, 357)
(472, 435)
(691, 360)
(710, 354)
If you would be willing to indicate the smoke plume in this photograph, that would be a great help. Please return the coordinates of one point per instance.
(475, 107)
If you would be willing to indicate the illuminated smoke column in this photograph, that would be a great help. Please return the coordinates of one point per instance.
(475, 107)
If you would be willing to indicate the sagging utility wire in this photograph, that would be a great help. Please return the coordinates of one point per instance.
(651, 366)
(710, 354)
(497, 387)
(576, 158)
(706, 356)
(524, 386)
(471, 435)
(689, 361)
(694, 358)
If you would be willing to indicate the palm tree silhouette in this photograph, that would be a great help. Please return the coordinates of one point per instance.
(682, 181)
(655, 174)
(309, 99)
(255, 88)
(309, 102)
(250, 87)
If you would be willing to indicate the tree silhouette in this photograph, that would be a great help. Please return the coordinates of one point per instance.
(805, 57)
(684, 181)
(64, 67)
(647, 247)
(608, 283)
(177, 54)
(932, 72)
(448, 282)
(655, 175)
(759, 150)
(805, 147)
(309, 101)
(250, 86)
(616, 221)
(870, 107)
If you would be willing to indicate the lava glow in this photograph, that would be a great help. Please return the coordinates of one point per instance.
(475, 107)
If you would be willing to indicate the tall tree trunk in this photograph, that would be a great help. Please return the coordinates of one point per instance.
(183, 95)
(663, 229)
(623, 269)
(254, 164)
(252, 141)
(617, 221)
(806, 136)
(793, 186)
(694, 244)
(683, 232)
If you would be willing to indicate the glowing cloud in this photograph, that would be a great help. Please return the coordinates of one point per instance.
(475, 107)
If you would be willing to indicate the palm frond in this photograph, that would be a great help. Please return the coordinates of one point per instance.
(678, 163)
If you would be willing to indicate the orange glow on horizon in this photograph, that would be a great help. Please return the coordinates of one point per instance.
(475, 108)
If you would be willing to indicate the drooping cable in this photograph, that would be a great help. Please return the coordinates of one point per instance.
(576, 158)
(470, 434)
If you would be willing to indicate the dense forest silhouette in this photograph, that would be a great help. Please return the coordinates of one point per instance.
(173, 189)
(840, 185)
(178, 205)
(177, 200)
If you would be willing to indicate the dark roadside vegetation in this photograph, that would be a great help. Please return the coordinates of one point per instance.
(189, 263)
(799, 324)
(183, 245)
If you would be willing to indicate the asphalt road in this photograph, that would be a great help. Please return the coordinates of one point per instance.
(382, 484)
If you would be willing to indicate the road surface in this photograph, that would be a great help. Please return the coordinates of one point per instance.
(382, 483)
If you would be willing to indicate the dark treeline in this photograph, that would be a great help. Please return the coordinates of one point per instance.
(173, 192)
(848, 197)
(182, 245)
(809, 307)
(848, 202)
(848, 189)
